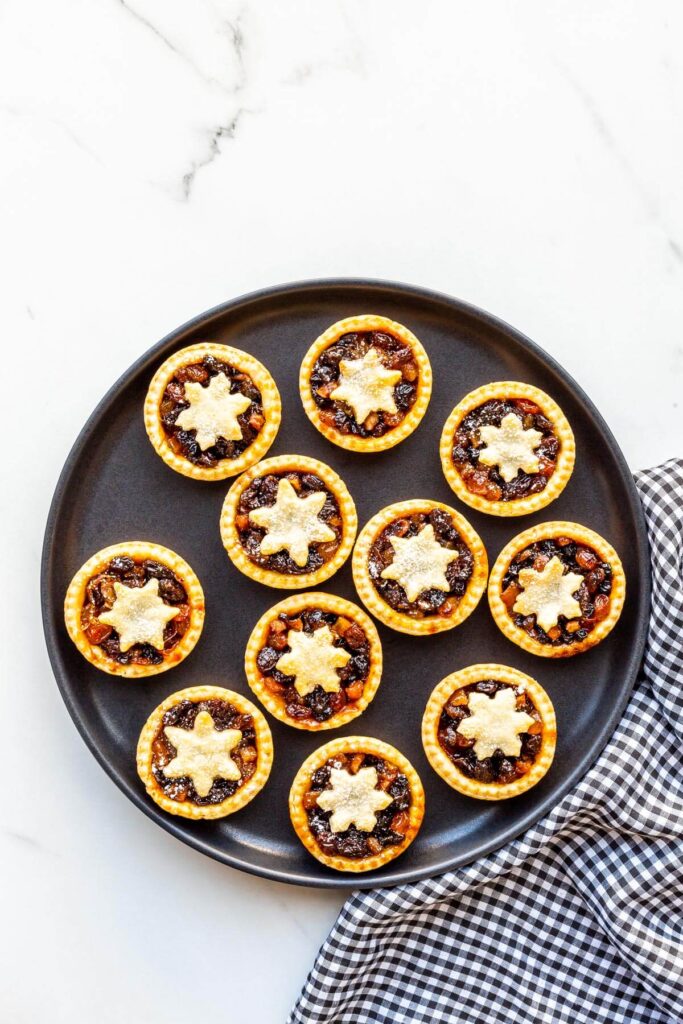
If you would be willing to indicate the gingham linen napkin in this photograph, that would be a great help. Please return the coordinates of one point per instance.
(578, 920)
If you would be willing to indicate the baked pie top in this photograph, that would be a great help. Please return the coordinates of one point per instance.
(204, 752)
(356, 803)
(134, 609)
(289, 522)
(489, 731)
(557, 589)
(507, 449)
(366, 383)
(211, 411)
(419, 567)
(314, 660)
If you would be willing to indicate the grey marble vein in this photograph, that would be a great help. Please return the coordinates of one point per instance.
(48, 119)
(223, 131)
(647, 198)
(208, 79)
(232, 29)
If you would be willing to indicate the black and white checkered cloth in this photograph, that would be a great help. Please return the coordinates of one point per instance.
(580, 919)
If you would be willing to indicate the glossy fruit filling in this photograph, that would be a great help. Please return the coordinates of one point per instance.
(499, 768)
(318, 706)
(263, 492)
(429, 602)
(225, 716)
(100, 597)
(394, 355)
(392, 823)
(486, 481)
(184, 442)
(593, 594)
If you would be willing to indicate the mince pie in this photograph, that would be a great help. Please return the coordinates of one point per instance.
(557, 589)
(314, 661)
(507, 449)
(366, 383)
(356, 803)
(134, 609)
(489, 731)
(211, 411)
(289, 522)
(419, 567)
(205, 752)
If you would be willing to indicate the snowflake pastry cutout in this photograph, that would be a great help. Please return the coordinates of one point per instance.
(420, 563)
(510, 447)
(203, 753)
(213, 411)
(548, 594)
(353, 799)
(313, 661)
(292, 523)
(139, 615)
(495, 724)
(366, 385)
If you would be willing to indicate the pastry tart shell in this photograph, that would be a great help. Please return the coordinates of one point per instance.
(399, 621)
(345, 745)
(443, 765)
(75, 597)
(291, 606)
(565, 461)
(410, 421)
(546, 531)
(284, 464)
(245, 794)
(270, 401)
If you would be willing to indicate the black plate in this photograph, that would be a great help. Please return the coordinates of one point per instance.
(115, 488)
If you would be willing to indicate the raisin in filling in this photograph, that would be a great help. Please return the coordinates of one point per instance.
(486, 481)
(593, 595)
(325, 378)
(499, 767)
(225, 716)
(183, 442)
(392, 822)
(263, 491)
(100, 597)
(317, 706)
(458, 573)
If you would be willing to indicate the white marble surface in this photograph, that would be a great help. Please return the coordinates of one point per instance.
(160, 156)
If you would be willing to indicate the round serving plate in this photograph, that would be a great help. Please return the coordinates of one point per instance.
(114, 487)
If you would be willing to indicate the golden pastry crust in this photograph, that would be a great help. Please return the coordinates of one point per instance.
(291, 606)
(546, 531)
(565, 461)
(414, 415)
(399, 621)
(242, 796)
(301, 784)
(443, 765)
(270, 400)
(75, 596)
(283, 464)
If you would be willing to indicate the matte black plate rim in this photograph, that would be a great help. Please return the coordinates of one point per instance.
(397, 876)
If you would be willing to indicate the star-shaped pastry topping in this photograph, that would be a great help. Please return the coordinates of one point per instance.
(420, 563)
(139, 615)
(203, 753)
(213, 411)
(495, 723)
(292, 523)
(366, 385)
(353, 799)
(510, 447)
(548, 594)
(313, 660)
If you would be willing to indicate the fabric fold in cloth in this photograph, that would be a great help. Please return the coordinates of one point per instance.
(579, 919)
